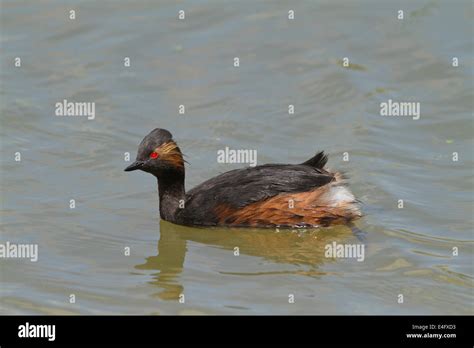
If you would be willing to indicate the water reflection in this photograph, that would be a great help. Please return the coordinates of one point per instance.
(291, 247)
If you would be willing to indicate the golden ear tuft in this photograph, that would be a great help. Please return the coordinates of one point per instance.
(171, 153)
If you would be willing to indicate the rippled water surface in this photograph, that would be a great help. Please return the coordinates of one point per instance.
(190, 62)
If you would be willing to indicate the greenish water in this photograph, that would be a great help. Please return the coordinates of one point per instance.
(300, 62)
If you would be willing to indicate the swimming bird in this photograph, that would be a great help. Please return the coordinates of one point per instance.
(269, 195)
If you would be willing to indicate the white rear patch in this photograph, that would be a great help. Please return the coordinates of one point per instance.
(338, 195)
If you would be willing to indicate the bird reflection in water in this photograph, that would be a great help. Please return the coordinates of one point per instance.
(302, 248)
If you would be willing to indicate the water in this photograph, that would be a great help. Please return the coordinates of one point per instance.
(81, 251)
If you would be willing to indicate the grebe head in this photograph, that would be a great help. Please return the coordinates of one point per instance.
(159, 155)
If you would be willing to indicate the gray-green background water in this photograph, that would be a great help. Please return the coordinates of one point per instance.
(190, 62)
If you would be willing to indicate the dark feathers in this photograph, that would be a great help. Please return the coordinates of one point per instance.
(255, 196)
(317, 161)
(241, 187)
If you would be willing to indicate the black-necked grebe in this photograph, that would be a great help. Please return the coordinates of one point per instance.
(285, 195)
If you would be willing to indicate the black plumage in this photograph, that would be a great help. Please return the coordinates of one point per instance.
(219, 201)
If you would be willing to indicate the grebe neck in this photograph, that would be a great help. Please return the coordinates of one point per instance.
(172, 196)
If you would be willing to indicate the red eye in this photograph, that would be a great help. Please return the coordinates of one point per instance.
(154, 155)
